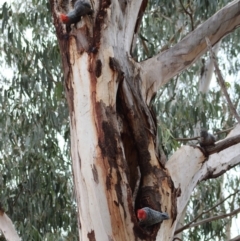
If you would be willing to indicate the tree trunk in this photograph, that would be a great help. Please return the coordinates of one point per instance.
(117, 165)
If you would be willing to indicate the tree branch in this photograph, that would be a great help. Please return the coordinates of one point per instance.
(207, 220)
(188, 166)
(237, 238)
(204, 212)
(158, 70)
(7, 228)
(131, 21)
(223, 131)
(187, 139)
(220, 146)
(222, 82)
(188, 13)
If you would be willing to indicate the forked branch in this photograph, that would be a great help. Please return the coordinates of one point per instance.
(158, 70)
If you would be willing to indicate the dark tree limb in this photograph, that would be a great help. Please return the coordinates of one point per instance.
(188, 13)
(220, 146)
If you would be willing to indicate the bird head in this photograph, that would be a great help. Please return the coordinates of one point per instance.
(141, 214)
(64, 18)
(204, 133)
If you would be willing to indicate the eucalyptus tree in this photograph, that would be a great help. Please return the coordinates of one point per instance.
(114, 145)
(118, 159)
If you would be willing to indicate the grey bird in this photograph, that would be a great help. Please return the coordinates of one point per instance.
(149, 217)
(206, 138)
(81, 8)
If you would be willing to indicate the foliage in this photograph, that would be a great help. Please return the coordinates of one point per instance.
(35, 169)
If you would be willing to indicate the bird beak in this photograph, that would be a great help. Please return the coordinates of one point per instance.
(165, 216)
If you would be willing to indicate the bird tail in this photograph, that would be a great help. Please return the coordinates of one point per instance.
(64, 18)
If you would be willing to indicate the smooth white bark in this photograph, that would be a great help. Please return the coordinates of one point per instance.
(84, 148)
(100, 213)
(7, 228)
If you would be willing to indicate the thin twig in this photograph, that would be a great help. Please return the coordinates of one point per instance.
(187, 139)
(221, 81)
(204, 212)
(197, 137)
(207, 220)
(223, 131)
(188, 13)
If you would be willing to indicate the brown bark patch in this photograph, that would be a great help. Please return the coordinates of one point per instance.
(109, 145)
(95, 173)
(98, 68)
(103, 6)
(1, 209)
(108, 182)
(148, 198)
(79, 160)
(119, 192)
(115, 66)
(91, 236)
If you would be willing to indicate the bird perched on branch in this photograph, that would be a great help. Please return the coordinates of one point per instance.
(81, 8)
(206, 139)
(149, 217)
